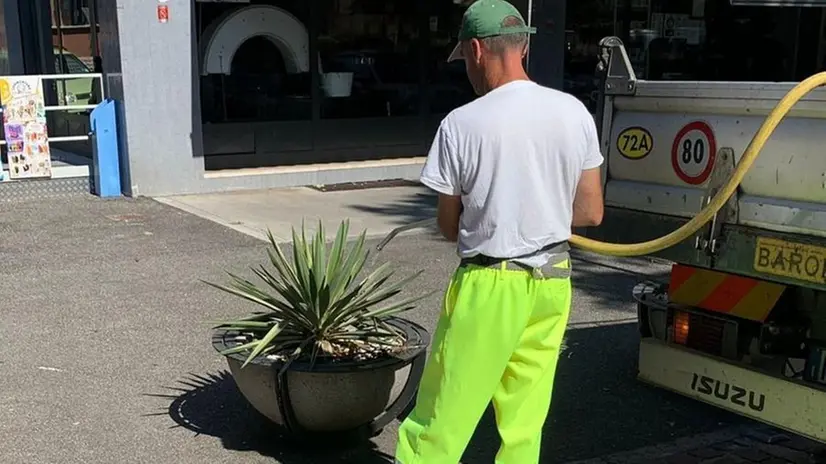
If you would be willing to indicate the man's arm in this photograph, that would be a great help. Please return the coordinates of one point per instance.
(588, 202)
(449, 211)
(442, 174)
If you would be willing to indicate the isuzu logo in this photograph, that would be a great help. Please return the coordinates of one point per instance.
(725, 391)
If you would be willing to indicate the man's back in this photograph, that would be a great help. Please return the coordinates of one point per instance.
(518, 153)
(514, 170)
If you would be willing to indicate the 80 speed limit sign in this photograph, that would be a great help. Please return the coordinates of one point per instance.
(693, 152)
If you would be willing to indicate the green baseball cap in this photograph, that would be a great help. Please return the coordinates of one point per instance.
(489, 18)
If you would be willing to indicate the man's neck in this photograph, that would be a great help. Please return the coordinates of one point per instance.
(506, 75)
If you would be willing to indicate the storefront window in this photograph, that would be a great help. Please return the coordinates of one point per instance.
(375, 59)
(704, 40)
(73, 35)
(255, 61)
(711, 40)
(72, 12)
(448, 84)
(328, 80)
(75, 51)
(369, 58)
(588, 21)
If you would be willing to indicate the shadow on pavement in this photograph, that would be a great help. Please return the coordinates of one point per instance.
(602, 287)
(421, 205)
(212, 405)
(599, 408)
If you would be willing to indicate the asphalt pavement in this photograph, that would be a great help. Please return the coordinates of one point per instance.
(105, 354)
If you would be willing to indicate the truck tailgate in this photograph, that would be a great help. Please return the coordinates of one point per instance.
(662, 144)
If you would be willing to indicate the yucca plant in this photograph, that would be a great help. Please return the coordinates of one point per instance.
(313, 304)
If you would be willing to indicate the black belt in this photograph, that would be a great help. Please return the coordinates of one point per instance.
(549, 270)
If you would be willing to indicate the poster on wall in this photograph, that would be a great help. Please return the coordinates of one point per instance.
(24, 124)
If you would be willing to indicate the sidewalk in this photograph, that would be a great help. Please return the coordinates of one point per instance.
(378, 210)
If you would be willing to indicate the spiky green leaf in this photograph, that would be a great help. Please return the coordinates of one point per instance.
(263, 343)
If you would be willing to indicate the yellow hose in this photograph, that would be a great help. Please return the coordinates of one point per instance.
(707, 214)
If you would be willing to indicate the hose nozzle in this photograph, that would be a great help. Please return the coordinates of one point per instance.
(413, 225)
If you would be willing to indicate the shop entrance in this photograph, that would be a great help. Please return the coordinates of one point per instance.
(55, 66)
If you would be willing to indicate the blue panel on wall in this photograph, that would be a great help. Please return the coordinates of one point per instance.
(106, 158)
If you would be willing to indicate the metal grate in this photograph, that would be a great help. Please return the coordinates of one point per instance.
(47, 188)
(365, 185)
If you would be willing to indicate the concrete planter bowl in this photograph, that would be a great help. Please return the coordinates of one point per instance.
(345, 399)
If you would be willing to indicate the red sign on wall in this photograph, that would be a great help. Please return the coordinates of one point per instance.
(163, 13)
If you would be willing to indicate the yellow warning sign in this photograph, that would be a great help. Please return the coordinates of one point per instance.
(635, 143)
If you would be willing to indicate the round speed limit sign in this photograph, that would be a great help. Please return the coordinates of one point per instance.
(693, 152)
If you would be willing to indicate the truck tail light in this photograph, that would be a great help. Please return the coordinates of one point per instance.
(681, 326)
(702, 332)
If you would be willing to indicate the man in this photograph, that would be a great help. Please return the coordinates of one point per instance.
(515, 170)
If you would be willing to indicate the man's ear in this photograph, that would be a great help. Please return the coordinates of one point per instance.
(476, 49)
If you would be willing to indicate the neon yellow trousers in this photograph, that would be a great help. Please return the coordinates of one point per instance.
(498, 339)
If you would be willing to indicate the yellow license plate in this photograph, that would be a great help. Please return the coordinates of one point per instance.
(789, 259)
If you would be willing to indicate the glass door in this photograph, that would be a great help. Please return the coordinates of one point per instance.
(75, 51)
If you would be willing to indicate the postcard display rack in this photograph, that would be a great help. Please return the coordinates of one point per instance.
(24, 126)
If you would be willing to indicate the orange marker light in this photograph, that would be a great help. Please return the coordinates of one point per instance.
(681, 326)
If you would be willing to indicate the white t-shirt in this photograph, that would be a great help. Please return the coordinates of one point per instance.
(515, 155)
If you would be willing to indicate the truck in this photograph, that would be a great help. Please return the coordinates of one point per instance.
(741, 321)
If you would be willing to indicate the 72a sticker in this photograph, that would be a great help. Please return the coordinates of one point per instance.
(635, 143)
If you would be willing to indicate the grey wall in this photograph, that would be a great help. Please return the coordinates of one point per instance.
(149, 69)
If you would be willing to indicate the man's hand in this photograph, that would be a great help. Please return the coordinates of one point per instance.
(449, 211)
(588, 203)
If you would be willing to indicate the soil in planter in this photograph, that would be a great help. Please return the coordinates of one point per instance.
(327, 352)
